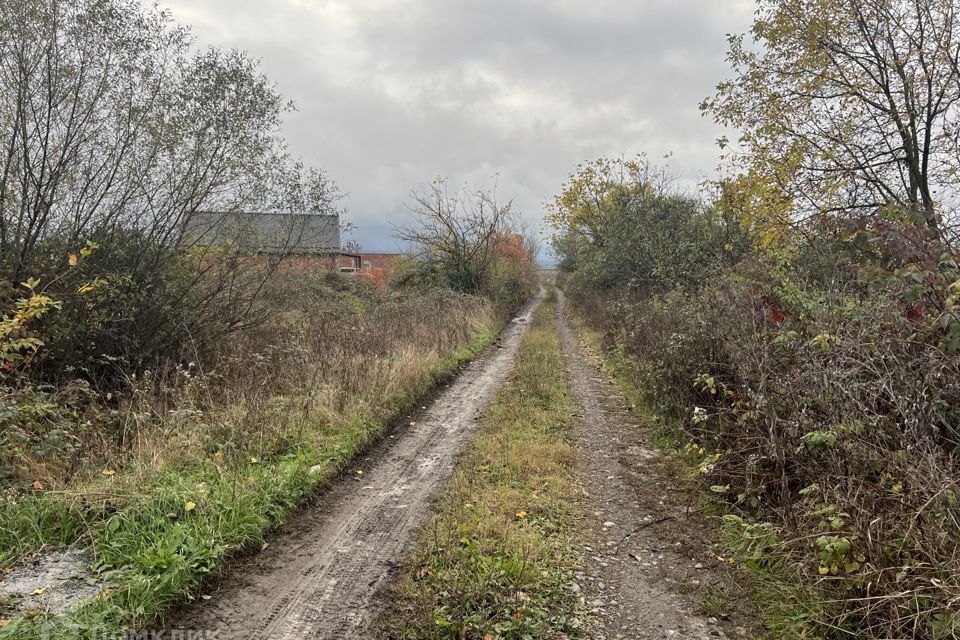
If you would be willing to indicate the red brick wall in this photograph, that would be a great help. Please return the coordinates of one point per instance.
(382, 261)
(363, 262)
(303, 264)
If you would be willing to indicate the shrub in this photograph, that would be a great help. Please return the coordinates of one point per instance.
(815, 386)
(469, 242)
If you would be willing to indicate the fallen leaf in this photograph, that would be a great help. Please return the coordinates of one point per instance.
(172, 515)
(4, 622)
(72, 259)
(521, 514)
(38, 592)
(107, 472)
(636, 557)
(37, 485)
(264, 546)
(218, 457)
(359, 472)
(190, 506)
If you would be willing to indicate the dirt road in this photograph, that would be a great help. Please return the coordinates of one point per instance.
(323, 577)
(632, 564)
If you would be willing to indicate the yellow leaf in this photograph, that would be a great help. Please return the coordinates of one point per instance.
(107, 472)
(218, 457)
(521, 514)
(73, 259)
(37, 485)
(38, 592)
(190, 506)
(823, 571)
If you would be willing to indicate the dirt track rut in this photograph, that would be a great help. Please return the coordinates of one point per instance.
(630, 563)
(324, 576)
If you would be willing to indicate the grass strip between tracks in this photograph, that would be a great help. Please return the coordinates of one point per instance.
(498, 559)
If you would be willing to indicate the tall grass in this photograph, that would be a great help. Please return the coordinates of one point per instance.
(194, 465)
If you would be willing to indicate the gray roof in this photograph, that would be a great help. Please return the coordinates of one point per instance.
(267, 232)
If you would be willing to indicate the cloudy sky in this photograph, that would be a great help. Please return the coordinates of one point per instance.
(393, 93)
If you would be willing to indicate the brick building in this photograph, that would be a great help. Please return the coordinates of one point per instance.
(308, 241)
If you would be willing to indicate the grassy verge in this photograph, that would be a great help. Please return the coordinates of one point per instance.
(157, 533)
(497, 561)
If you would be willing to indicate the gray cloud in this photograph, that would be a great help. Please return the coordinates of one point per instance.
(391, 94)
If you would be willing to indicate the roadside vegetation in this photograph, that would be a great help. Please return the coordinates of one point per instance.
(166, 399)
(498, 559)
(792, 326)
(212, 459)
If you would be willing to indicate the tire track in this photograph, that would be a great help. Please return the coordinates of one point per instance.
(629, 563)
(324, 577)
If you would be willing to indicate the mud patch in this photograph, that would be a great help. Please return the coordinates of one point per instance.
(51, 582)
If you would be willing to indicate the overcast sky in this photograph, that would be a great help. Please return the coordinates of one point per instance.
(393, 93)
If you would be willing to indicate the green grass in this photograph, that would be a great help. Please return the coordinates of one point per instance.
(159, 534)
(499, 556)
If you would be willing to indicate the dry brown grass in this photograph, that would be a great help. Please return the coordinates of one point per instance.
(338, 351)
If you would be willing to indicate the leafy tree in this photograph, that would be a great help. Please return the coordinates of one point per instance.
(623, 224)
(115, 129)
(848, 106)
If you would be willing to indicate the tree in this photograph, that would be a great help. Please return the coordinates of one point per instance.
(115, 129)
(456, 234)
(623, 224)
(849, 106)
